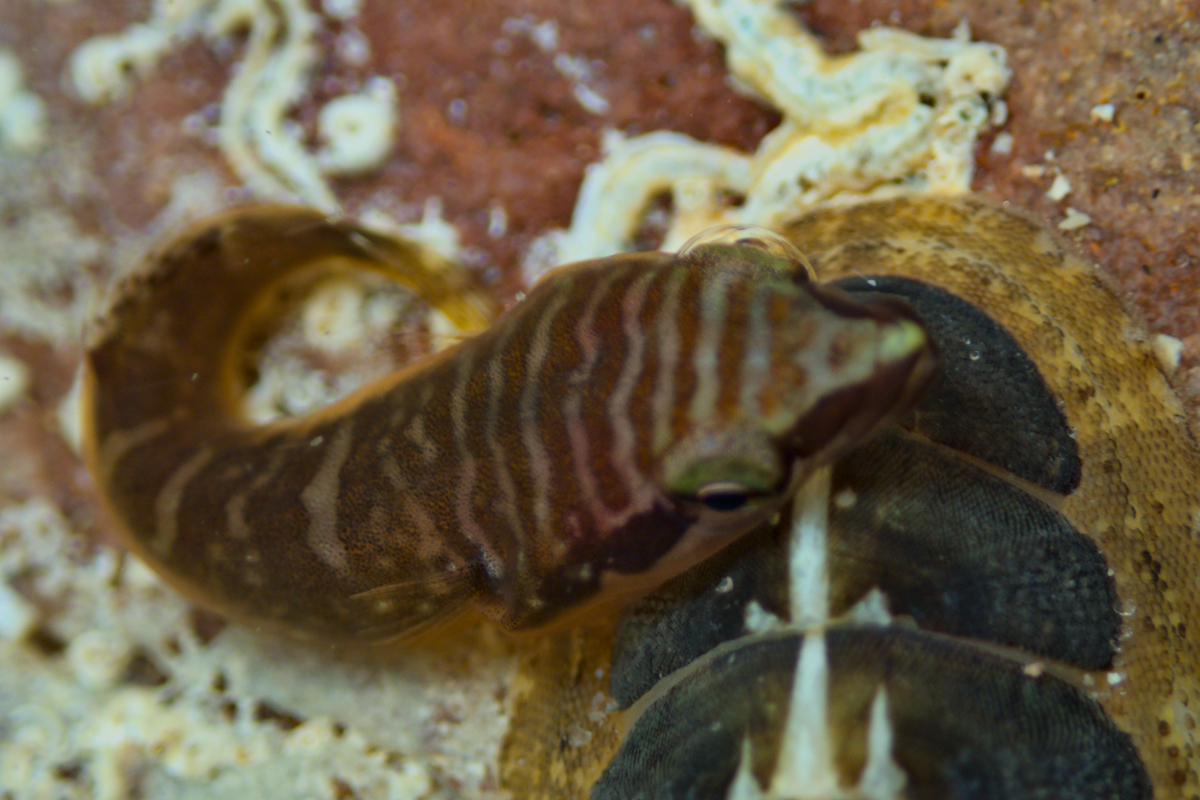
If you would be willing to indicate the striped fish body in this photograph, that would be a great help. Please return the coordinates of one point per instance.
(631, 416)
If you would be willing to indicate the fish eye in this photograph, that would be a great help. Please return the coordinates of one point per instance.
(724, 496)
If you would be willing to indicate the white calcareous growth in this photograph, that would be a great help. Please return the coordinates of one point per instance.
(1075, 219)
(358, 130)
(22, 113)
(14, 381)
(902, 114)
(256, 132)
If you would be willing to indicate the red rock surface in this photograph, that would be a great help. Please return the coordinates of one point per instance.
(1137, 176)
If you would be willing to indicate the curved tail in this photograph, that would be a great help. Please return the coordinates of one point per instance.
(165, 436)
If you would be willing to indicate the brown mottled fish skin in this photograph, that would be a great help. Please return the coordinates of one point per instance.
(631, 416)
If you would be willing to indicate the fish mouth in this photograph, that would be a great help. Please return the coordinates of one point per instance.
(905, 363)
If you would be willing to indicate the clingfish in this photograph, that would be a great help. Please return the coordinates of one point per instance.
(629, 418)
